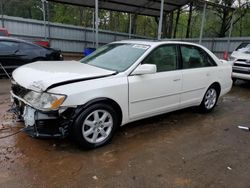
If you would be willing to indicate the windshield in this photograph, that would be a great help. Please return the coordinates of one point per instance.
(244, 47)
(117, 57)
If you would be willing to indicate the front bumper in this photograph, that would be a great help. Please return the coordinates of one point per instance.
(241, 76)
(241, 70)
(43, 124)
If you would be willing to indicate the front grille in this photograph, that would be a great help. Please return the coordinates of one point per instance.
(241, 65)
(19, 90)
(241, 71)
(242, 60)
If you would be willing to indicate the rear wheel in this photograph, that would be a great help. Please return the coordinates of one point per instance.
(210, 99)
(95, 126)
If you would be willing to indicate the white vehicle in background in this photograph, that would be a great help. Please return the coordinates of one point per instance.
(240, 59)
(118, 83)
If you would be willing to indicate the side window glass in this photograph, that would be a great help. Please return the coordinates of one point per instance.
(193, 57)
(25, 46)
(164, 57)
(8, 46)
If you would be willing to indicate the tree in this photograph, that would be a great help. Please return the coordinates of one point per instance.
(227, 12)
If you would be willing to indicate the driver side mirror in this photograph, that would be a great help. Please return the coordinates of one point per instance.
(144, 69)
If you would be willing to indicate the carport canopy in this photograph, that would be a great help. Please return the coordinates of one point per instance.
(141, 7)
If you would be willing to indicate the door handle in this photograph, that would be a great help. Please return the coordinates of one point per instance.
(176, 80)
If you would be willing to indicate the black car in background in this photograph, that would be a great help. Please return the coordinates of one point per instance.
(16, 52)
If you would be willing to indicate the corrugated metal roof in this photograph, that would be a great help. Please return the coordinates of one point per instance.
(143, 7)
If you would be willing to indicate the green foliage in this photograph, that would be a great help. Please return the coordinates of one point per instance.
(242, 27)
(25, 9)
(119, 22)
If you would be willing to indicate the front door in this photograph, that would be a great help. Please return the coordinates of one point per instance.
(152, 94)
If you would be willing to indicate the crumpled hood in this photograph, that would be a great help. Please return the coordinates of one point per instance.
(40, 75)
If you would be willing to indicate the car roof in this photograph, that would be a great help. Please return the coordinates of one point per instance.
(155, 42)
(15, 40)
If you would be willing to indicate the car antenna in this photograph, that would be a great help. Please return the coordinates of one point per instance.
(5, 71)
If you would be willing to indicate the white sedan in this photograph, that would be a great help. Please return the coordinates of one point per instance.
(119, 83)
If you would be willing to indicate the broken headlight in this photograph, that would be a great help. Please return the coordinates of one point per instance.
(44, 101)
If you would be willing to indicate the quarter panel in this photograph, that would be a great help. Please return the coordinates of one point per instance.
(195, 83)
(224, 78)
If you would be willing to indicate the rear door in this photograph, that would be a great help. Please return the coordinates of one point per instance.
(152, 94)
(198, 70)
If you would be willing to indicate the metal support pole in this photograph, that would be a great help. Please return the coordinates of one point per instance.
(130, 26)
(93, 27)
(230, 33)
(96, 24)
(189, 19)
(176, 22)
(44, 18)
(202, 22)
(48, 20)
(160, 21)
(2, 18)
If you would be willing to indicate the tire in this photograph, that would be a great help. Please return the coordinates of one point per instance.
(210, 99)
(234, 80)
(95, 126)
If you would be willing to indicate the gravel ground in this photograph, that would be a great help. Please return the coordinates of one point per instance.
(179, 149)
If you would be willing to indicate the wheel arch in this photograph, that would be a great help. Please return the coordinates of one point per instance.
(217, 87)
(105, 100)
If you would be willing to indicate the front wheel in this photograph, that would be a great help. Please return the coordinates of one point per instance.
(95, 126)
(209, 100)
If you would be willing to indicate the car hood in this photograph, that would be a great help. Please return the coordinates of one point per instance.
(241, 55)
(41, 75)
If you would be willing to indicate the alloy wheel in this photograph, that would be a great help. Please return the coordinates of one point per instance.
(210, 98)
(97, 126)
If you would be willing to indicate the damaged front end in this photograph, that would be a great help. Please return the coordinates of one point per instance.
(41, 113)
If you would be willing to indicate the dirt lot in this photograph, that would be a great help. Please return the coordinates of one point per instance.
(180, 149)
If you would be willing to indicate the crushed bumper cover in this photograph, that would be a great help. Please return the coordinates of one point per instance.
(43, 124)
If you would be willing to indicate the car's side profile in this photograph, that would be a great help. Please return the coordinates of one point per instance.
(15, 53)
(117, 84)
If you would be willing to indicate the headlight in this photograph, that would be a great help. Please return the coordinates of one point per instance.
(45, 101)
